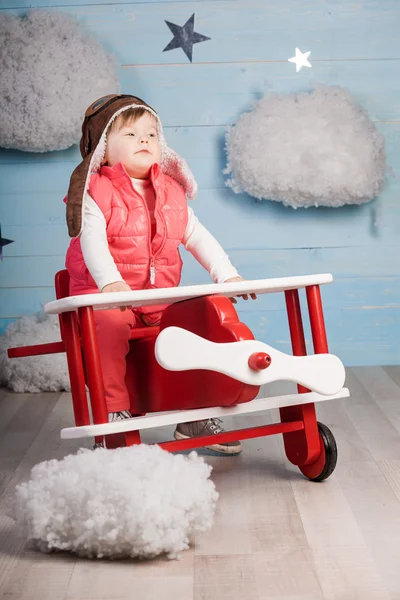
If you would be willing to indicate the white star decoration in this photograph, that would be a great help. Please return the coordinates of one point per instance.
(300, 59)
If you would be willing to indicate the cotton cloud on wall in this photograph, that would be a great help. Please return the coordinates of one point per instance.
(51, 71)
(308, 149)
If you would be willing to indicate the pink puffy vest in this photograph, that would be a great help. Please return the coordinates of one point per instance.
(142, 262)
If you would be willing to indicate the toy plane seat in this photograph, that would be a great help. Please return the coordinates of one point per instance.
(154, 389)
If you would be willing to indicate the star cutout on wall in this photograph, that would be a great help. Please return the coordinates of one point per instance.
(300, 59)
(185, 37)
(3, 242)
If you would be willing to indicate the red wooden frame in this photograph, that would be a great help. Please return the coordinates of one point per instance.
(303, 444)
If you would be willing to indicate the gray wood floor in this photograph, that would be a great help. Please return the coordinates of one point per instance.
(276, 535)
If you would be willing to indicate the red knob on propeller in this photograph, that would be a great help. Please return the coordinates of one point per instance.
(259, 360)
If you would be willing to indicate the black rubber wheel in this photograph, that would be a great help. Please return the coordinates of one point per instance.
(331, 453)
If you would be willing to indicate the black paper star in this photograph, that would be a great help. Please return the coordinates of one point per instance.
(3, 242)
(185, 37)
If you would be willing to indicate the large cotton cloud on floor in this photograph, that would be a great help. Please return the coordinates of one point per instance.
(51, 71)
(131, 502)
(307, 149)
(45, 373)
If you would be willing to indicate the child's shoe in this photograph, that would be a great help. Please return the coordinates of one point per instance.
(119, 416)
(184, 431)
(114, 416)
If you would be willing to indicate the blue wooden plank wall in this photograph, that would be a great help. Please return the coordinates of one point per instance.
(354, 44)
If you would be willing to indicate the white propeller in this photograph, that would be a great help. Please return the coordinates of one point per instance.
(248, 361)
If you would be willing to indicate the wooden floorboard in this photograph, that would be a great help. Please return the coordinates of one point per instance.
(276, 535)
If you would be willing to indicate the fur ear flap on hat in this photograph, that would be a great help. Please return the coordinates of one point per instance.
(76, 191)
(176, 167)
(98, 119)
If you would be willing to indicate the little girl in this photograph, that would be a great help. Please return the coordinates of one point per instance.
(127, 213)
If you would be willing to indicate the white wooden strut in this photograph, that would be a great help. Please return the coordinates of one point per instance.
(153, 297)
(182, 416)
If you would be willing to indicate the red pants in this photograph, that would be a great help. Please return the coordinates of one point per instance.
(113, 329)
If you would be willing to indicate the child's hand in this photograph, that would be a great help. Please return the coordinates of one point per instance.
(117, 286)
(244, 296)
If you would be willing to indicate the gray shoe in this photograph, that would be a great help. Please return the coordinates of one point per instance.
(98, 445)
(114, 416)
(184, 431)
(121, 415)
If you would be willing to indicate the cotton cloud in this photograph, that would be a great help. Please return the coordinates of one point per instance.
(140, 501)
(51, 71)
(307, 149)
(45, 373)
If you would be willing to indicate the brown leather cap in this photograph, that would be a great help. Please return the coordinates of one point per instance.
(96, 119)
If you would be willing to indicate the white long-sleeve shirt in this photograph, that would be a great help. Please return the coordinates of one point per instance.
(197, 240)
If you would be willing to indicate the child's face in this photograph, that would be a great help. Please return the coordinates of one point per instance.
(135, 145)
